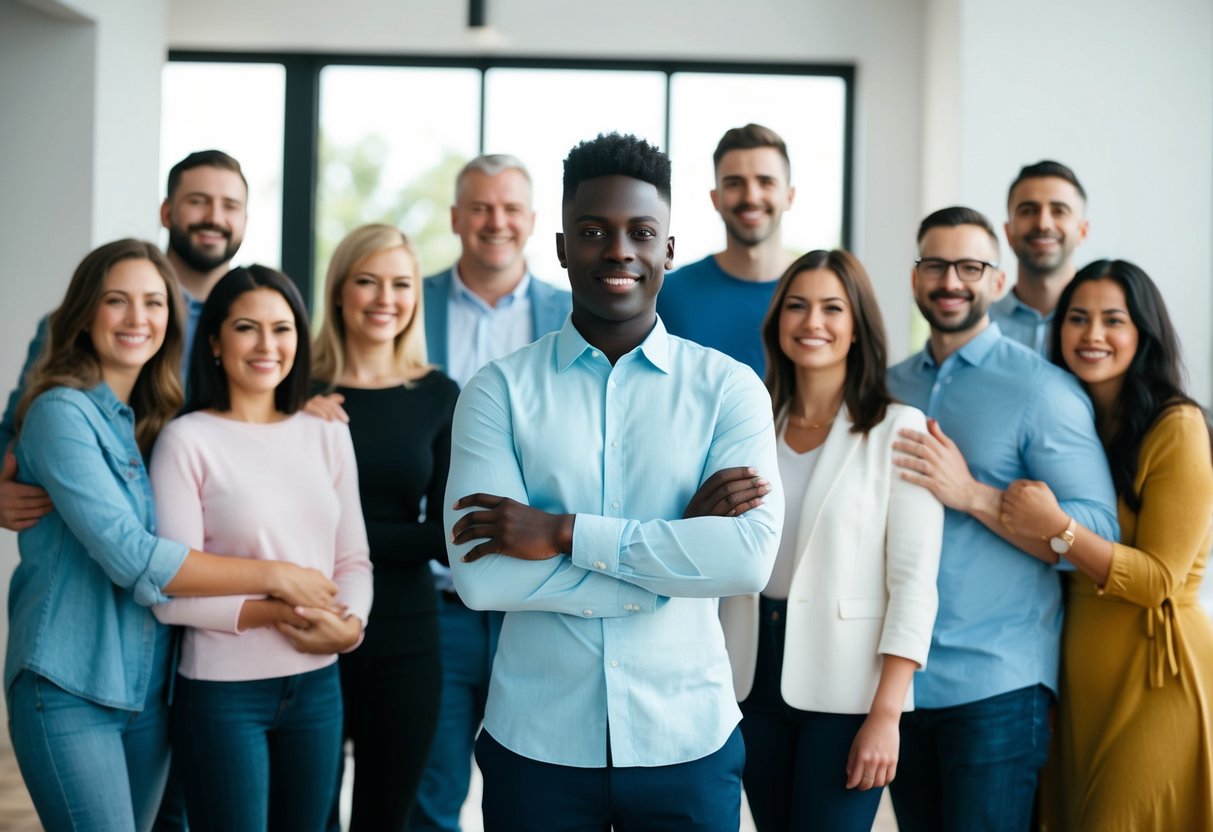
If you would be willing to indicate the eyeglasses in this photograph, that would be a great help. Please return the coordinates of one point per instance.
(969, 271)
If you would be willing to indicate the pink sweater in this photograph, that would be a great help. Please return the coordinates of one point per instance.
(281, 491)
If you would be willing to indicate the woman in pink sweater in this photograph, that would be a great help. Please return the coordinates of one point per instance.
(257, 718)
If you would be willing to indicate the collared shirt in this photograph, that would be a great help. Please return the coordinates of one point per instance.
(478, 333)
(89, 570)
(618, 642)
(1014, 416)
(1021, 322)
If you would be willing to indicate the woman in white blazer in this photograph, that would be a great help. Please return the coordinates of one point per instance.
(823, 659)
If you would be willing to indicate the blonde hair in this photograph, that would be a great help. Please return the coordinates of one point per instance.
(69, 358)
(328, 362)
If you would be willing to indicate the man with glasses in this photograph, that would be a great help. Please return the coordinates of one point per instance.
(971, 749)
(1046, 221)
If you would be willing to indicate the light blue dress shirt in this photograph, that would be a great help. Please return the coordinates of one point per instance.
(1022, 323)
(478, 333)
(78, 602)
(620, 641)
(1014, 416)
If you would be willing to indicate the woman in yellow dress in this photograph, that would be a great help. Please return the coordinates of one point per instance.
(1134, 742)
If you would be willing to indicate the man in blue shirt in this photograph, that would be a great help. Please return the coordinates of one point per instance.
(485, 306)
(971, 749)
(1046, 221)
(721, 300)
(576, 503)
(205, 211)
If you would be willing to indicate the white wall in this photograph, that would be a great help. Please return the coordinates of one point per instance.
(80, 98)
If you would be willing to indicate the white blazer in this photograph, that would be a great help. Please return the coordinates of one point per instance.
(864, 581)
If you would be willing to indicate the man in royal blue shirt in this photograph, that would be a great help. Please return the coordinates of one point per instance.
(721, 300)
(979, 732)
(582, 459)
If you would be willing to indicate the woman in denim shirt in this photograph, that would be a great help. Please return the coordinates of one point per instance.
(88, 666)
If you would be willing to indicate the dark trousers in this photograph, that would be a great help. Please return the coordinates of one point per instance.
(259, 755)
(972, 767)
(525, 795)
(391, 711)
(795, 770)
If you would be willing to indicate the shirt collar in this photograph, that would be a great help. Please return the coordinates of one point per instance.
(974, 352)
(1014, 306)
(570, 345)
(106, 401)
(459, 289)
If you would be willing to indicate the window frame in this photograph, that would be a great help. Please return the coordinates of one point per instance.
(301, 122)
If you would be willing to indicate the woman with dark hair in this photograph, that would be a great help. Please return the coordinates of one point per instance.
(87, 669)
(1134, 746)
(257, 716)
(371, 351)
(823, 659)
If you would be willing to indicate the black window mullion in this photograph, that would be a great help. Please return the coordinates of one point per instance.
(300, 155)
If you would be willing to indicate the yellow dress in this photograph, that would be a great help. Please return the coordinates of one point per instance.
(1133, 748)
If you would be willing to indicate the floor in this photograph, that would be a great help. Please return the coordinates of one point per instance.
(17, 813)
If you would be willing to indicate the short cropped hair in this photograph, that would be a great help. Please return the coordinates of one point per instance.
(203, 159)
(955, 216)
(1043, 168)
(613, 154)
(208, 384)
(747, 138)
(490, 165)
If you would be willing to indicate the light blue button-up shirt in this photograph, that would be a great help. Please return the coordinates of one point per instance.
(477, 333)
(1014, 416)
(620, 641)
(78, 602)
(1022, 323)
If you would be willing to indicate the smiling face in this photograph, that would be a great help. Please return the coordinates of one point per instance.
(129, 323)
(816, 323)
(751, 193)
(206, 216)
(949, 304)
(379, 296)
(256, 346)
(1099, 338)
(492, 216)
(617, 249)
(1046, 223)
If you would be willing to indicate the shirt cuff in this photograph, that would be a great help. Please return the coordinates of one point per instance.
(597, 542)
(166, 559)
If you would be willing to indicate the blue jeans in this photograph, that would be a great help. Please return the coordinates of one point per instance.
(88, 766)
(795, 768)
(260, 754)
(972, 767)
(467, 642)
(525, 795)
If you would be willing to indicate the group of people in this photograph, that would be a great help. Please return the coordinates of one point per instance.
(607, 561)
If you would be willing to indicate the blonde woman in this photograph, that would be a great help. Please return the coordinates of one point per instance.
(371, 351)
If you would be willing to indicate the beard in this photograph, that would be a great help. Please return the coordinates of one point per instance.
(747, 235)
(198, 259)
(1044, 262)
(978, 306)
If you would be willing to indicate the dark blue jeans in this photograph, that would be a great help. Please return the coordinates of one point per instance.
(525, 795)
(795, 769)
(972, 768)
(260, 754)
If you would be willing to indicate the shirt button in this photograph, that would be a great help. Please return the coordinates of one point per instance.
(614, 663)
(599, 565)
(614, 444)
(595, 353)
(947, 380)
(615, 504)
(587, 612)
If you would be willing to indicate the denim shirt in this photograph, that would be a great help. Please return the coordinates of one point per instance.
(90, 569)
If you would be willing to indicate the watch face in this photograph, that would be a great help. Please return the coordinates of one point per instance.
(1061, 544)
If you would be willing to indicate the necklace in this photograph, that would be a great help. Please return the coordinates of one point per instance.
(803, 422)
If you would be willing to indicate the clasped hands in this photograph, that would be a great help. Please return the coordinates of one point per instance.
(508, 527)
(1026, 508)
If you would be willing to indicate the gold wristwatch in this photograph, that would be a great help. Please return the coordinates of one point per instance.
(1061, 543)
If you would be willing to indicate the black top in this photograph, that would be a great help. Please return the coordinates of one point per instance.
(402, 440)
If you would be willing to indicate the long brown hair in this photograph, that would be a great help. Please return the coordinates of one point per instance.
(69, 358)
(865, 391)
